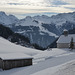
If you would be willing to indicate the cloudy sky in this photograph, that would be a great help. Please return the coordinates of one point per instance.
(22, 8)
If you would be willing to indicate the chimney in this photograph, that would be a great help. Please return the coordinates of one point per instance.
(65, 32)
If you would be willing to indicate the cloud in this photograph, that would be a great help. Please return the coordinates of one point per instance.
(70, 8)
(59, 2)
(34, 7)
(15, 3)
(70, 1)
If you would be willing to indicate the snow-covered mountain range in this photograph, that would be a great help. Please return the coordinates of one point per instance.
(7, 19)
(49, 62)
(42, 30)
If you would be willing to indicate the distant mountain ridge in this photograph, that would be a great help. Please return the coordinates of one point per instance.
(7, 19)
(54, 44)
(16, 38)
(44, 30)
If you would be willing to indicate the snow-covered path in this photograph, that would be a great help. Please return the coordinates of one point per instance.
(55, 61)
(67, 69)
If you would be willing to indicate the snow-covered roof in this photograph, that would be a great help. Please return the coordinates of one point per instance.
(65, 30)
(13, 56)
(66, 39)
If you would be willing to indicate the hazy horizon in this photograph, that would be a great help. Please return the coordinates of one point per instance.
(22, 8)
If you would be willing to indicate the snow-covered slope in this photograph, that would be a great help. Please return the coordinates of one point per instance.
(8, 47)
(13, 19)
(43, 28)
(56, 19)
(45, 63)
(7, 19)
(28, 21)
(66, 69)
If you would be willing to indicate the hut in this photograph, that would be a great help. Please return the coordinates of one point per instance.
(65, 40)
(14, 60)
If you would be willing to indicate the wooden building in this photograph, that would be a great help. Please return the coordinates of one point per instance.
(65, 40)
(14, 60)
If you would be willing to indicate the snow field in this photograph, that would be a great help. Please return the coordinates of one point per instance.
(44, 62)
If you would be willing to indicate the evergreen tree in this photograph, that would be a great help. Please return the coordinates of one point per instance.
(71, 43)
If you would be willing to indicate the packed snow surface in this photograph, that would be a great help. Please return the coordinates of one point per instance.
(44, 62)
(8, 47)
(66, 69)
